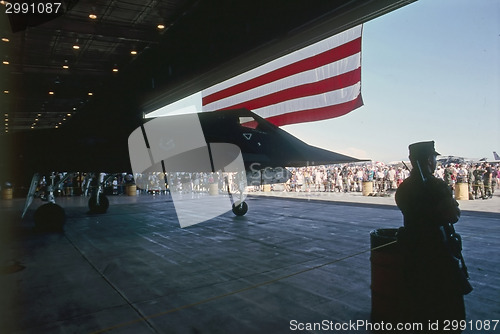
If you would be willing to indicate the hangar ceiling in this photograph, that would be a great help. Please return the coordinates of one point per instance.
(55, 66)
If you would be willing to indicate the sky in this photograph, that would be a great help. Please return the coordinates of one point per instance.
(430, 71)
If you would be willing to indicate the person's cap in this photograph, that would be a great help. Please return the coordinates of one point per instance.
(422, 149)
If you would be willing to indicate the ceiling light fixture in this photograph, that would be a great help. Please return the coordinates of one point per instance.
(5, 62)
(90, 94)
(133, 52)
(51, 93)
(65, 67)
(76, 47)
(6, 92)
(161, 26)
(4, 39)
(92, 16)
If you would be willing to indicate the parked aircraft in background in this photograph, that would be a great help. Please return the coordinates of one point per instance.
(496, 158)
(451, 159)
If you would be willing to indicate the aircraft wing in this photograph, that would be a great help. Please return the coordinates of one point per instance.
(262, 143)
(211, 141)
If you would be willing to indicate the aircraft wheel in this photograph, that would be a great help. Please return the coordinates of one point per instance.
(241, 209)
(100, 207)
(49, 217)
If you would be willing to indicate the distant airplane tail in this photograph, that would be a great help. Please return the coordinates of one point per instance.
(496, 156)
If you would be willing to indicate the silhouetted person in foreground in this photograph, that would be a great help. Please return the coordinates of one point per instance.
(436, 278)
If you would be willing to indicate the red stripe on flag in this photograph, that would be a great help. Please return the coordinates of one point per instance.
(314, 88)
(316, 114)
(310, 63)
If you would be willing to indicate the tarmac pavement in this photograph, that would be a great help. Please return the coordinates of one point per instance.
(293, 261)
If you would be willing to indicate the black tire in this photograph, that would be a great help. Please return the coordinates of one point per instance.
(100, 207)
(241, 209)
(49, 217)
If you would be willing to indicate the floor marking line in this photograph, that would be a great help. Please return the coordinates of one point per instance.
(251, 287)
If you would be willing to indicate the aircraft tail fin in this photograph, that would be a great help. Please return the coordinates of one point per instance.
(496, 156)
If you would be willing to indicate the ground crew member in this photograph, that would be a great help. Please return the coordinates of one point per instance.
(478, 181)
(487, 181)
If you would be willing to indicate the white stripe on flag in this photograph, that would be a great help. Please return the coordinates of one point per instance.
(311, 102)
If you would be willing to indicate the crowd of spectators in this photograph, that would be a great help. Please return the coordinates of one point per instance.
(346, 178)
(482, 180)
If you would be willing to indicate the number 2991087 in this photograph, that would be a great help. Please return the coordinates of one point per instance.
(478, 325)
(32, 7)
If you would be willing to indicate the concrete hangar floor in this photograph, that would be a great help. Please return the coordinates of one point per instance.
(288, 262)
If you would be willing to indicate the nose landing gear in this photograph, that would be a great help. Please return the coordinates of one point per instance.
(240, 209)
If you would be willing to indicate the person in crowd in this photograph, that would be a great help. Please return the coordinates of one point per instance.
(439, 173)
(448, 176)
(498, 176)
(471, 180)
(300, 181)
(461, 174)
(318, 179)
(391, 178)
(380, 179)
(494, 180)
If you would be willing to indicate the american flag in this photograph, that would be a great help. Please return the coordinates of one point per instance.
(320, 81)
